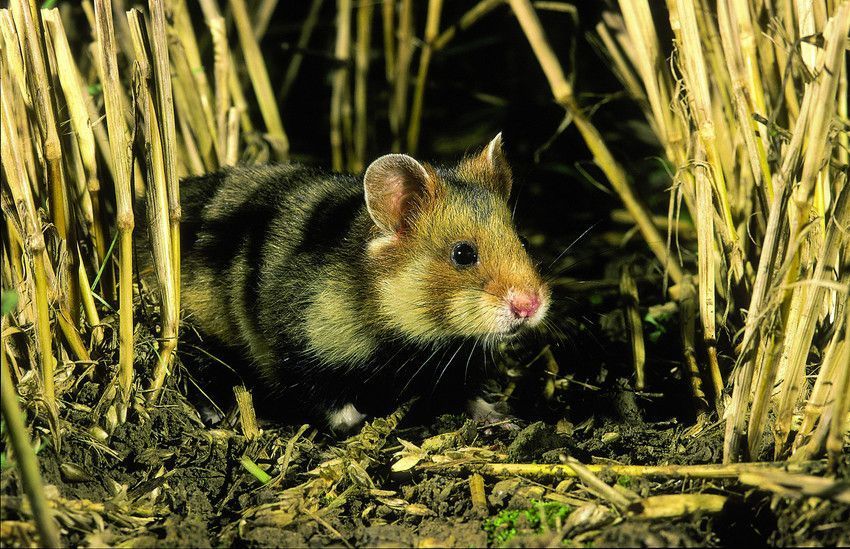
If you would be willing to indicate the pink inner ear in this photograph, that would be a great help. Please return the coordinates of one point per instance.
(398, 200)
(397, 206)
(392, 184)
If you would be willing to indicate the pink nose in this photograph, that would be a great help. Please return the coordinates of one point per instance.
(525, 305)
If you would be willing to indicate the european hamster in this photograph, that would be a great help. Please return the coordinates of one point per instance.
(351, 294)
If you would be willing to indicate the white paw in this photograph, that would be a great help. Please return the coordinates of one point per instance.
(488, 414)
(345, 418)
(483, 411)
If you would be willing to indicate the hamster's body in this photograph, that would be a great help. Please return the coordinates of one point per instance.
(350, 294)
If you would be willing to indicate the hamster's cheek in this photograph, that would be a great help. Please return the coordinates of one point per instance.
(403, 299)
(473, 312)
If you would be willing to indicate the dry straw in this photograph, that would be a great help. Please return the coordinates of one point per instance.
(144, 115)
(770, 210)
(749, 105)
(27, 461)
(342, 54)
(751, 111)
(120, 144)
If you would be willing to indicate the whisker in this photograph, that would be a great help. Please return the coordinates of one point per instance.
(468, 360)
(436, 350)
(595, 254)
(404, 346)
(573, 243)
(446, 367)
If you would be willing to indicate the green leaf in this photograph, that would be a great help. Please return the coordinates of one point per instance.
(105, 262)
(255, 470)
(504, 526)
(9, 299)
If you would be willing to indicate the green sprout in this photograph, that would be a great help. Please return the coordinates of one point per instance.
(658, 325)
(508, 523)
(255, 470)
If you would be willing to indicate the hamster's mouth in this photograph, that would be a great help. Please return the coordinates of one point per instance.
(516, 327)
(513, 330)
(511, 325)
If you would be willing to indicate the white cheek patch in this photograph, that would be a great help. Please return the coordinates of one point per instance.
(402, 302)
(505, 319)
(474, 314)
(345, 418)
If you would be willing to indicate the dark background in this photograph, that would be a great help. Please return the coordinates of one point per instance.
(491, 59)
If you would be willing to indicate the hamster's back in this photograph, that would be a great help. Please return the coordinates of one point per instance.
(245, 226)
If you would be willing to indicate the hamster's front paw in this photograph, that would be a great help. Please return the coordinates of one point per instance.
(491, 415)
(345, 419)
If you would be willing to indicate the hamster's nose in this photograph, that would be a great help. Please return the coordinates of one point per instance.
(524, 305)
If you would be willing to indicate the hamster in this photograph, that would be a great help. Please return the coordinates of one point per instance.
(352, 294)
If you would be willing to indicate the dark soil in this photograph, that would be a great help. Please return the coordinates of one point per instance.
(172, 482)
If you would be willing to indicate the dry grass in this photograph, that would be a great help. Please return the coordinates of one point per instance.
(160, 120)
(771, 211)
(768, 209)
(749, 105)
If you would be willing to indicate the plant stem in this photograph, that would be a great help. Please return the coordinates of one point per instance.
(260, 79)
(563, 94)
(120, 147)
(27, 462)
(432, 27)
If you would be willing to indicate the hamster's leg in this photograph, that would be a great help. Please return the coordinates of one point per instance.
(345, 418)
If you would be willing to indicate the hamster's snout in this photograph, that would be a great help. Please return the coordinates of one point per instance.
(524, 308)
(524, 305)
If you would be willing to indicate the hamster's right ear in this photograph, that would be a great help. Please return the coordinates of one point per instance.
(396, 185)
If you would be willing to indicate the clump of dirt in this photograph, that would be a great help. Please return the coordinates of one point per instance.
(536, 441)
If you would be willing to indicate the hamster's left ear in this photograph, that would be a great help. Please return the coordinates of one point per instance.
(397, 187)
(489, 168)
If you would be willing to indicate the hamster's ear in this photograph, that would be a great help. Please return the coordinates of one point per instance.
(395, 185)
(489, 168)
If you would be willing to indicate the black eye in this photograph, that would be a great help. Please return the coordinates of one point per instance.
(523, 242)
(464, 254)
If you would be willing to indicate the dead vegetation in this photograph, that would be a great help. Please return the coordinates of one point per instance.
(749, 106)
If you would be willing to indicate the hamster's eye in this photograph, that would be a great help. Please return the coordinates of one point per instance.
(523, 242)
(464, 254)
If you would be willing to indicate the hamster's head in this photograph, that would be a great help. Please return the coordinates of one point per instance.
(448, 260)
